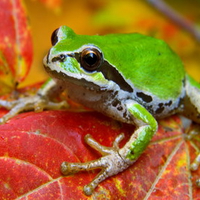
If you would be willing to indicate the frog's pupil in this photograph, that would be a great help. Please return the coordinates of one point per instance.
(90, 59)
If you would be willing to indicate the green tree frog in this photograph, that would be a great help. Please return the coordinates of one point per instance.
(132, 78)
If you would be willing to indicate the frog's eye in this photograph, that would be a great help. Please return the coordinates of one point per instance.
(54, 37)
(90, 59)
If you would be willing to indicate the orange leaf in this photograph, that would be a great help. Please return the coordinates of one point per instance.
(53, 4)
(15, 44)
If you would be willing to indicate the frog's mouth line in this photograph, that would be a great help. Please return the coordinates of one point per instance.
(80, 82)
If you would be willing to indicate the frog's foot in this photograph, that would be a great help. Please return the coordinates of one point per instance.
(193, 134)
(36, 102)
(194, 166)
(110, 164)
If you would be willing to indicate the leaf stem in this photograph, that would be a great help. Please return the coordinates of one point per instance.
(184, 23)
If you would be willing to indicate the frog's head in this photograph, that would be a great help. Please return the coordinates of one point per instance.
(79, 58)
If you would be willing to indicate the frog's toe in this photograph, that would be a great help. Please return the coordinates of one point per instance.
(56, 105)
(103, 150)
(71, 168)
(15, 107)
(195, 164)
(88, 189)
(198, 183)
(2, 120)
(7, 104)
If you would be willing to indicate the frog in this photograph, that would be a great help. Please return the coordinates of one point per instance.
(130, 77)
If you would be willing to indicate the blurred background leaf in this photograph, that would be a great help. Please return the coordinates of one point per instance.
(15, 44)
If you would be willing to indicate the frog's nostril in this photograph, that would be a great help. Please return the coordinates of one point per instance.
(62, 57)
(59, 58)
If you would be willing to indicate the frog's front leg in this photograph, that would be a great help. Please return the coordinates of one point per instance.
(36, 102)
(117, 159)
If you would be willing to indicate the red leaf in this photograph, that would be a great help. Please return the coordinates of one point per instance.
(33, 145)
(15, 43)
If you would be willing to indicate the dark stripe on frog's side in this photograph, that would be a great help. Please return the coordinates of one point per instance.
(144, 97)
(110, 73)
(160, 108)
(169, 103)
(117, 104)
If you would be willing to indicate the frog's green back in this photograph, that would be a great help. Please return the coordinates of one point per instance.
(147, 62)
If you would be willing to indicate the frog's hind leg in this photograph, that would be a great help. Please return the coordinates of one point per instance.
(193, 136)
(192, 111)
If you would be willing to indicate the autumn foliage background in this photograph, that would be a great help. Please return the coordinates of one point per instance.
(33, 145)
